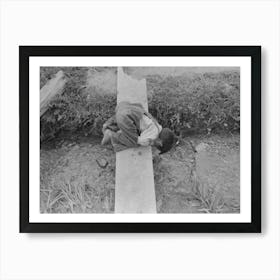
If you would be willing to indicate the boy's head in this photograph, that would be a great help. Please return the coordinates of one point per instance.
(166, 140)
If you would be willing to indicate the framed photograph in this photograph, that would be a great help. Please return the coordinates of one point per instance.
(140, 139)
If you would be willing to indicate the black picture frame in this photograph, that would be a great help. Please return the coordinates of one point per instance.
(25, 52)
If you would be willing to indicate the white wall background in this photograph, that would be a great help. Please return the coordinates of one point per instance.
(139, 256)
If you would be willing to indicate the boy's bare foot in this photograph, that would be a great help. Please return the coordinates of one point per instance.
(107, 137)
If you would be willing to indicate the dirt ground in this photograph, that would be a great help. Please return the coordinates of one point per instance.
(73, 181)
(78, 174)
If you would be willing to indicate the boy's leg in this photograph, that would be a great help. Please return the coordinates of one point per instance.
(127, 136)
(108, 127)
(117, 143)
(118, 140)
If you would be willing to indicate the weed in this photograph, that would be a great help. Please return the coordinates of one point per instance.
(201, 103)
(69, 197)
(211, 198)
(75, 110)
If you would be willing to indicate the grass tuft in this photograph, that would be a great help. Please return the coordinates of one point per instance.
(74, 198)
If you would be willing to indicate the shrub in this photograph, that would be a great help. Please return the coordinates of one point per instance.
(75, 110)
(200, 103)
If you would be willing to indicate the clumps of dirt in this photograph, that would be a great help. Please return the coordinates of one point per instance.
(218, 173)
(172, 180)
(202, 181)
(78, 176)
(73, 182)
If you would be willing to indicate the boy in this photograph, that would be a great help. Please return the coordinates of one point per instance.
(133, 126)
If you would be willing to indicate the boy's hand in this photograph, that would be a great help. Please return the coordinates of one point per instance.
(157, 143)
(145, 142)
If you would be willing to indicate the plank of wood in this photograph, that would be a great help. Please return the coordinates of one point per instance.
(135, 191)
(52, 88)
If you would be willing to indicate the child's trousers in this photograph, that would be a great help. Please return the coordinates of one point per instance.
(125, 126)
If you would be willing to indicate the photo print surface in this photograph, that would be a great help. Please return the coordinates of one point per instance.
(198, 173)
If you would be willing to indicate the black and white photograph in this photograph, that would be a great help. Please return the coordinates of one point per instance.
(141, 139)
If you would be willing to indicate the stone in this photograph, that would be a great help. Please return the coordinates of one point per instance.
(102, 162)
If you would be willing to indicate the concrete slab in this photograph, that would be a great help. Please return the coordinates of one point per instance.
(131, 90)
(134, 191)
